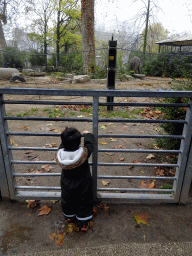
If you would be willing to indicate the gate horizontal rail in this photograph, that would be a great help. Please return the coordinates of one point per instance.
(131, 194)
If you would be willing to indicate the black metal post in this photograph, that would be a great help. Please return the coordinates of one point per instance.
(111, 69)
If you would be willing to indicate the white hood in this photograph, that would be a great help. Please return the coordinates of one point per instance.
(69, 157)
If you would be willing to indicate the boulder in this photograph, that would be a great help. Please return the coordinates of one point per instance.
(81, 79)
(140, 76)
(7, 73)
(99, 81)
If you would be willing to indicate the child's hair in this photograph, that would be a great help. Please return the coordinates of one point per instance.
(71, 138)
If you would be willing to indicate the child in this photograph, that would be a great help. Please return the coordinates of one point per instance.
(76, 179)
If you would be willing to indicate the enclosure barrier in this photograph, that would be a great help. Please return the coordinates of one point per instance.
(181, 180)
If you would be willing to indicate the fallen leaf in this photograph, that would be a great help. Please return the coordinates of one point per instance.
(157, 130)
(147, 185)
(44, 210)
(25, 127)
(49, 124)
(103, 126)
(118, 147)
(109, 154)
(54, 201)
(28, 152)
(105, 183)
(150, 156)
(47, 167)
(95, 211)
(112, 139)
(142, 218)
(135, 161)
(52, 145)
(57, 238)
(122, 159)
(80, 116)
(72, 227)
(31, 203)
(13, 143)
(157, 111)
(160, 172)
(103, 143)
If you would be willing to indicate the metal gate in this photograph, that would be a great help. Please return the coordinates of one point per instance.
(9, 174)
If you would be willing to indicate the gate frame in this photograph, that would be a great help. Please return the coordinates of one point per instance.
(183, 161)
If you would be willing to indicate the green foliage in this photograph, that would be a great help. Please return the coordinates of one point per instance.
(13, 58)
(174, 113)
(100, 73)
(70, 62)
(167, 65)
(36, 58)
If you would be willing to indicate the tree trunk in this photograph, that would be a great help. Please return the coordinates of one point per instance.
(88, 37)
(2, 37)
(146, 28)
(45, 40)
(58, 34)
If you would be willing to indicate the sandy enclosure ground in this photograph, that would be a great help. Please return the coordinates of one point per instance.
(149, 83)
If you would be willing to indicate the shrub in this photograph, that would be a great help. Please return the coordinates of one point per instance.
(13, 58)
(174, 113)
(36, 58)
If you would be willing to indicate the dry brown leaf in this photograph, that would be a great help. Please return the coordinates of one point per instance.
(142, 218)
(112, 139)
(13, 143)
(105, 183)
(31, 203)
(47, 167)
(109, 154)
(160, 172)
(57, 238)
(147, 185)
(25, 127)
(72, 227)
(122, 159)
(44, 210)
(52, 145)
(95, 210)
(118, 147)
(135, 162)
(150, 156)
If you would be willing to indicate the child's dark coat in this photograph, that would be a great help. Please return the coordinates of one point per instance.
(76, 182)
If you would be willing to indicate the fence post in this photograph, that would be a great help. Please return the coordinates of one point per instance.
(188, 174)
(111, 70)
(184, 155)
(4, 189)
(95, 152)
(5, 149)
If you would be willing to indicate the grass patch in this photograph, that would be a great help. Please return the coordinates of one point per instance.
(34, 110)
(166, 186)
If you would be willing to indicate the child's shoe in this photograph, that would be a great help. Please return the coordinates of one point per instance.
(73, 219)
(84, 226)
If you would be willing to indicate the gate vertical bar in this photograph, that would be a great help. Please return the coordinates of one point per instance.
(5, 148)
(4, 189)
(188, 174)
(184, 155)
(95, 152)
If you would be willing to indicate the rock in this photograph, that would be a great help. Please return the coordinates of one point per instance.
(69, 76)
(128, 77)
(81, 79)
(7, 73)
(100, 81)
(31, 72)
(140, 76)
